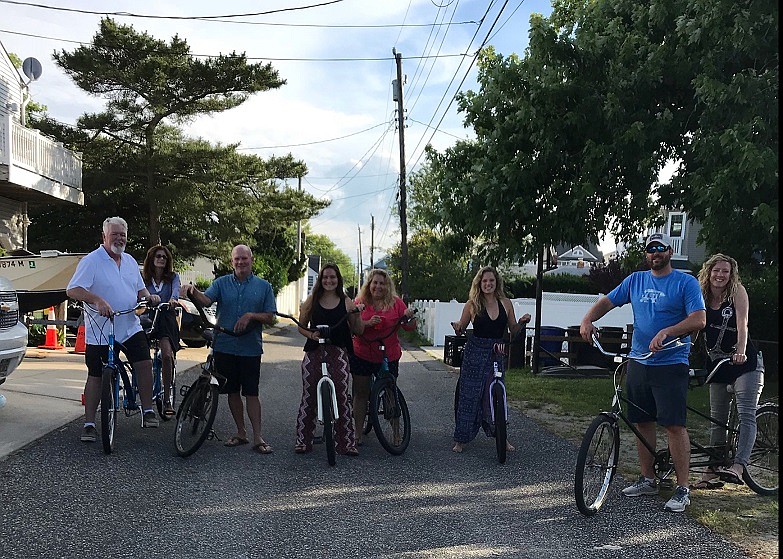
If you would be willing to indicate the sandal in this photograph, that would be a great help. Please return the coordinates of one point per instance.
(729, 476)
(262, 448)
(168, 410)
(236, 441)
(707, 484)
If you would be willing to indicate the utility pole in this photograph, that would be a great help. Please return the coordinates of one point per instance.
(361, 268)
(397, 88)
(372, 240)
(299, 289)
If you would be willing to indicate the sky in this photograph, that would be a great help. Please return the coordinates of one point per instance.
(335, 111)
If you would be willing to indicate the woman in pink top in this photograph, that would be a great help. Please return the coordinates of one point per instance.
(382, 310)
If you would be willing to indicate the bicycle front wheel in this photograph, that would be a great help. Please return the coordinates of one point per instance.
(390, 417)
(195, 417)
(328, 415)
(499, 412)
(761, 473)
(596, 464)
(109, 408)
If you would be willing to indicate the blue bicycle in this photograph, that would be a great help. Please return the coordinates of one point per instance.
(158, 393)
(118, 382)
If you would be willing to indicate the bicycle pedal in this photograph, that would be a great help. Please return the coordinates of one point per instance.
(666, 483)
(183, 390)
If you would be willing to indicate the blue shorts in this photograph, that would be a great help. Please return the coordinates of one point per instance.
(661, 391)
(241, 372)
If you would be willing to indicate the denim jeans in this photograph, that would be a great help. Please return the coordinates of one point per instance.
(747, 390)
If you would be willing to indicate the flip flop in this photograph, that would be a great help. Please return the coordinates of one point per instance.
(262, 448)
(725, 474)
(236, 441)
(169, 412)
(707, 484)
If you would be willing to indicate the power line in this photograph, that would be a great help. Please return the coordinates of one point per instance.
(268, 58)
(149, 16)
(320, 141)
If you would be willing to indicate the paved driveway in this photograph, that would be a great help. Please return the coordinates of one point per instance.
(61, 498)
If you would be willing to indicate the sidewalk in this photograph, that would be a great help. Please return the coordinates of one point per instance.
(44, 393)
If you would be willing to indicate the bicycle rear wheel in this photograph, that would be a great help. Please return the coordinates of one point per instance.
(596, 464)
(761, 473)
(390, 417)
(499, 406)
(109, 408)
(195, 417)
(328, 415)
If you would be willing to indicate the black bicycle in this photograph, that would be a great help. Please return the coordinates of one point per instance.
(387, 410)
(196, 414)
(598, 456)
(326, 394)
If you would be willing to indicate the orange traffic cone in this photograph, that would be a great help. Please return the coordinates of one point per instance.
(81, 344)
(51, 333)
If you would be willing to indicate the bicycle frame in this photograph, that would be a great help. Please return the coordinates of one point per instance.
(497, 379)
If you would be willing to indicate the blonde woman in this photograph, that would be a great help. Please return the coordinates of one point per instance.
(726, 335)
(382, 311)
(492, 315)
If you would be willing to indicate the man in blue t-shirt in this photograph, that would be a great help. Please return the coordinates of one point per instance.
(666, 304)
(244, 303)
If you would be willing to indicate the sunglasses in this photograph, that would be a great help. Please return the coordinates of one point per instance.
(163, 256)
(656, 248)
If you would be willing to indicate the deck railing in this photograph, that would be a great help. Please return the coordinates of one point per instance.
(30, 149)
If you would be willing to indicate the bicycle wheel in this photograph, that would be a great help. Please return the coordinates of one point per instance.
(328, 415)
(195, 417)
(761, 473)
(109, 408)
(390, 417)
(596, 464)
(499, 405)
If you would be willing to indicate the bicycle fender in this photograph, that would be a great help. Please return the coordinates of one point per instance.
(333, 403)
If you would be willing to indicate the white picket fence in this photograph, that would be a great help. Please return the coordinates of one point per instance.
(561, 310)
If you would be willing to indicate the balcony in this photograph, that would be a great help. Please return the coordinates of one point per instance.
(35, 168)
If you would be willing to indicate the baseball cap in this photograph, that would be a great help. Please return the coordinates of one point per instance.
(658, 238)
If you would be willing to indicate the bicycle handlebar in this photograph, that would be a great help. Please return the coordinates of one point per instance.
(671, 344)
(323, 329)
(214, 325)
(402, 320)
(141, 305)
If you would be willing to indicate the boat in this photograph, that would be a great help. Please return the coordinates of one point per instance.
(40, 279)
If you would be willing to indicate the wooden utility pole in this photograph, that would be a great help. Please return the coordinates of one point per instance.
(539, 297)
(300, 281)
(372, 241)
(397, 87)
(361, 268)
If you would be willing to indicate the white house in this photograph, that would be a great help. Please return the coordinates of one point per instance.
(33, 167)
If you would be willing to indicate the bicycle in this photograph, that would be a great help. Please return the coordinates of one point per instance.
(158, 395)
(326, 394)
(196, 414)
(494, 402)
(598, 456)
(387, 410)
(118, 382)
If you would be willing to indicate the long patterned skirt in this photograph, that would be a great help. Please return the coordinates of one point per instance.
(337, 361)
(475, 375)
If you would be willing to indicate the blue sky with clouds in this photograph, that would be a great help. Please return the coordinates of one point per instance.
(336, 111)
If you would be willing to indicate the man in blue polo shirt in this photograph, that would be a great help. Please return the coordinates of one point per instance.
(244, 303)
(666, 304)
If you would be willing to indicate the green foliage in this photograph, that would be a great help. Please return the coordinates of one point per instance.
(202, 283)
(525, 286)
(324, 247)
(763, 319)
(433, 272)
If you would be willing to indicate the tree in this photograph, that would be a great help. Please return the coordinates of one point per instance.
(148, 82)
(324, 247)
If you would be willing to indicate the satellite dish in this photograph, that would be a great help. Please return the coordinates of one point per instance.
(32, 68)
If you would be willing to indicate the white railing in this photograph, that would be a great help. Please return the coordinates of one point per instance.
(561, 310)
(29, 149)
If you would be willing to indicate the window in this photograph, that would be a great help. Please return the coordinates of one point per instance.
(676, 225)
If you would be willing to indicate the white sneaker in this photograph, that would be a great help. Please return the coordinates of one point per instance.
(680, 499)
(643, 486)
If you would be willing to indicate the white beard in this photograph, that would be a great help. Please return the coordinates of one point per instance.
(118, 250)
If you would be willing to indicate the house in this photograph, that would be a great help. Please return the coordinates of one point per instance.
(33, 167)
(576, 260)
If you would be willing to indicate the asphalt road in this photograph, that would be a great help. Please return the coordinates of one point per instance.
(63, 498)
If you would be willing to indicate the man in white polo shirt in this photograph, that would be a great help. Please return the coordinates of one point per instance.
(108, 280)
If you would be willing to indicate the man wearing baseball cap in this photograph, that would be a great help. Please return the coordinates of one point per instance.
(667, 304)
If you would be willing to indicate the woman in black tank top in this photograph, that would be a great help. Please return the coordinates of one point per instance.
(726, 335)
(327, 305)
(486, 300)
